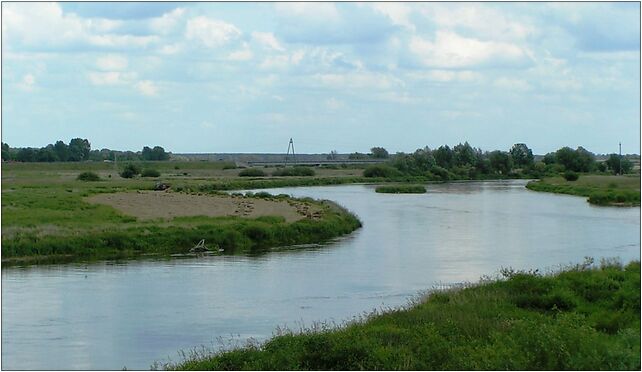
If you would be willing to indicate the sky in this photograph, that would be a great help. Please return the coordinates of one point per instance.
(247, 77)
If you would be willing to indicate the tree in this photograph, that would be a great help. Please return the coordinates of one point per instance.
(613, 163)
(566, 156)
(443, 156)
(379, 153)
(157, 153)
(500, 162)
(464, 155)
(522, 155)
(333, 155)
(79, 149)
(46, 154)
(62, 151)
(26, 154)
(5, 152)
(585, 160)
(549, 158)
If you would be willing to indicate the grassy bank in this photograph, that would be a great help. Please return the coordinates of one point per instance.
(401, 189)
(46, 218)
(600, 190)
(582, 318)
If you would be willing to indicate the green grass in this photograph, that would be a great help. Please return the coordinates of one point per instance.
(600, 190)
(294, 172)
(401, 189)
(582, 318)
(45, 218)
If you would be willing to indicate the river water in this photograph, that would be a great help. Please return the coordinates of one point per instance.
(112, 315)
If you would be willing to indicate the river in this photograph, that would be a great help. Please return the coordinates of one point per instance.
(111, 315)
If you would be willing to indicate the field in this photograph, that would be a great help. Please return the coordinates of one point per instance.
(600, 190)
(585, 318)
(47, 214)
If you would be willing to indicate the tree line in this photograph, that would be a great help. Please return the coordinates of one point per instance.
(78, 149)
(464, 161)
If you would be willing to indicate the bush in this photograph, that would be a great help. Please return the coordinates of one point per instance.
(130, 171)
(150, 173)
(571, 176)
(381, 171)
(88, 176)
(294, 172)
(251, 172)
(401, 189)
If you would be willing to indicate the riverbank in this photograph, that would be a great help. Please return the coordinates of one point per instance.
(69, 220)
(600, 190)
(581, 318)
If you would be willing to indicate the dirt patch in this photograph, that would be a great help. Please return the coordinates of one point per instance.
(155, 204)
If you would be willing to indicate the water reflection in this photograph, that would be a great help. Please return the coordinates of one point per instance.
(107, 315)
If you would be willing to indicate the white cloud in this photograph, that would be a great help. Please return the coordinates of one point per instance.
(512, 84)
(170, 49)
(317, 10)
(46, 26)
(267, 40)
(167, 22)
(447, 75)
(485, 22)
(282, 61)
(450, 50)
(111, 78)
(358, 80)
(147, 87)
(397, 12)
(244, 54)
(112, 62)
(211, 32)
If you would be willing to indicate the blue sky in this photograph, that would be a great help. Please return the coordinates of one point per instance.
(245, 77)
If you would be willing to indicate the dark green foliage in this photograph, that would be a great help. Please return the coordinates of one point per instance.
(401, 189)
(252, 172)
(381, 170)
(294, 172)
(527, 322)
(130, 171)
(79, 149)
(500, 162)
(579, 160)
(444, 156)
(157, 153)
(379, 153)
(614, 161)
(88, 176)
(571, 176)
(150, 173)
(522, 155)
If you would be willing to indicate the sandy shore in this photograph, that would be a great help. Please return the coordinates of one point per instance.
(156, 204)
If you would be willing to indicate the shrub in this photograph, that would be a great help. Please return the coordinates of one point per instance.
(150, 173)
(88, 176)
(380, 170)
(251, 172)
(571, 176)
(130, 171)
(294, 172)
(401, 189)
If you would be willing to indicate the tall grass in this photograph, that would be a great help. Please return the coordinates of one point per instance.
(576, 320)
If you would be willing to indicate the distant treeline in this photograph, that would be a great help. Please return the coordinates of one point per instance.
(466, 162)
(78, 149)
